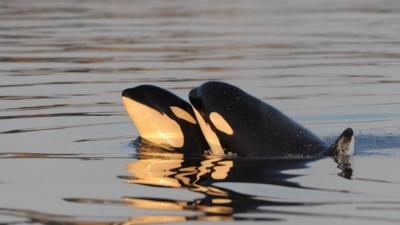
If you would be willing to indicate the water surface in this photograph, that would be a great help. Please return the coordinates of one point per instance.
(66, 154)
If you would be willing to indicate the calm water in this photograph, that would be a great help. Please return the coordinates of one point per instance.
(66, 154)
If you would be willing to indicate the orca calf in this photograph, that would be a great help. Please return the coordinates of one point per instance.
(163, 119)
(223, 119)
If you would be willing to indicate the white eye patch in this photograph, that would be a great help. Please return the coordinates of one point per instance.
(220, 123)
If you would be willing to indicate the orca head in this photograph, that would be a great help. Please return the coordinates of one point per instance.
(162, 118)
(212, 102)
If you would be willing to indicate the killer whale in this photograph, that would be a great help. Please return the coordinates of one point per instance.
(163, 119)
(223, 119)
(232, 120)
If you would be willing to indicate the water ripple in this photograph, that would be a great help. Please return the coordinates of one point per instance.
(65, 155)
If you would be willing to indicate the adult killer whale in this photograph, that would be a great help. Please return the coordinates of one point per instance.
(224, 119)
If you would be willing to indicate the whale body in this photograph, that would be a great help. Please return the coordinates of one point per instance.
(223, 119)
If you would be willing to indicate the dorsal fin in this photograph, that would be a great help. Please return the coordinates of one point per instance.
(344, 145)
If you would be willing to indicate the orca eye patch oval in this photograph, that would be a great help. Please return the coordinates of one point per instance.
(182, 114)
(220, 123)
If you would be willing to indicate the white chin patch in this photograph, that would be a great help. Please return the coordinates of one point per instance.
(154, 126)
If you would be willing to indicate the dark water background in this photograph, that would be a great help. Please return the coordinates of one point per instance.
(66, 157)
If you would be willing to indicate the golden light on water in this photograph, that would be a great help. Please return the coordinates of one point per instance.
(176, 173)
(154, 204)
(155, 172)
(154, 219)
(171, 172)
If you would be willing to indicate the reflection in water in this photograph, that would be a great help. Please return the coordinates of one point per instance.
(197, 175)
(44, 218)
(344, 164)
(200, 173)
(53, 219)
(155, 167)
(203, 173)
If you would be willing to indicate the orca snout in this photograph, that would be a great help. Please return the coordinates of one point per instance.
(135, 93)
(146, 94)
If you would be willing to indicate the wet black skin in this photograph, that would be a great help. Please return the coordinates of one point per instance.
(161, 100)
(258, 128)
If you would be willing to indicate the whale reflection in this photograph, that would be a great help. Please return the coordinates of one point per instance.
(202, 174)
